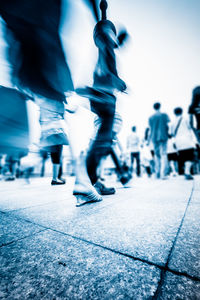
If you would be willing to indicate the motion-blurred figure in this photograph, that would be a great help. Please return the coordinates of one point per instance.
(14, 130)
(158, 124)
(194, 110)
(53, 134)
(11, 167)
(38, 62)
(102, 95)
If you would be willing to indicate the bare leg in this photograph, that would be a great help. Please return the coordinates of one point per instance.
(83, 188)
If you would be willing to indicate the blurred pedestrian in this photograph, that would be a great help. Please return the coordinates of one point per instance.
(39, 66)
(194, 111)
(53, 134)
(172, 156)
(185, 140)
(133, 147)
(158, 124)
(106, 82)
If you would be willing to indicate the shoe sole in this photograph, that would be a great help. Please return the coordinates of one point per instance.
(83, 199)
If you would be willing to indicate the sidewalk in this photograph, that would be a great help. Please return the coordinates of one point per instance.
(141, 243)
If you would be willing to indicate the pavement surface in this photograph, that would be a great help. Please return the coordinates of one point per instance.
(141, 243)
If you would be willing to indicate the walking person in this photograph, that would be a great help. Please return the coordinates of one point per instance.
(106, 82)
(194, 110)
(133, 147)
(53, 134)
(158, 124)
(39, 66)
(185, 141)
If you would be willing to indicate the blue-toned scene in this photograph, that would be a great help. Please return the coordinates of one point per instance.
(99, 149)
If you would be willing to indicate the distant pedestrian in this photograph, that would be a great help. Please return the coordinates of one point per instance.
(133, 147)
(172, 155)
(158, 124)
(185, 141)
(194, 110)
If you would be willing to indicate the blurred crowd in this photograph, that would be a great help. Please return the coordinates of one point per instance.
(171, 145)
(40, 73)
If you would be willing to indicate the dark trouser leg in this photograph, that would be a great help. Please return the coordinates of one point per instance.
(102, 144)
(148, 170)
(132, 160)
(137, 156)
(56, 152)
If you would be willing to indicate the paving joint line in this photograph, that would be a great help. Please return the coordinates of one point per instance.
(195, 278)
(23, 208)
(163, 268)
(158, 292)
(20, 239)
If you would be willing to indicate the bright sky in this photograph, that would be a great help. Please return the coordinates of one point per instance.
(159, 63)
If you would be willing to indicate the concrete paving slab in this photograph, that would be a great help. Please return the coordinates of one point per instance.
(179, 288)
(18, 194)
(12, 229)
(50, 265)
(142, 222)
(196, 194)
(186, 254)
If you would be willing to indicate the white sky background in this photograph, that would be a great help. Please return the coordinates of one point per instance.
(160, 62)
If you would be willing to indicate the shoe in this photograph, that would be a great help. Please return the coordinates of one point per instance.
(125, 179)
(11, 178)
(164, 177)
(102, 190)
(57, 182)
(62, 179)
(86, 197)
(188, 177)
(173, 174)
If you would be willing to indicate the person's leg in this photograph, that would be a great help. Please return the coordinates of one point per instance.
(13, 164)
(44, 156)
(56, 152)
(60, 172)
(137, 157)
(132, 161)
(188, 165)
(101, 146)
(157, 158)
(123, 171)
(148, 170)
(189, 159)
(164, 161)
(83, 189)
(100, 170)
